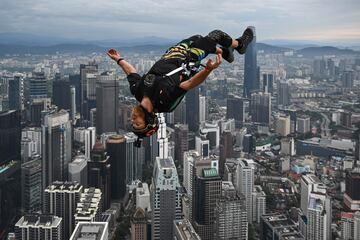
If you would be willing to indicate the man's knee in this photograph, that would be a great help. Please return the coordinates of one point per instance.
(220, 37)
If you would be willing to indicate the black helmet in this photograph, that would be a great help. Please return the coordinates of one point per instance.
(151, 126)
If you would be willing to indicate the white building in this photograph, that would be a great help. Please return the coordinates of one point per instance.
(90, 230)
(78, 170)
(202, 146)
(90, 206)
(258, 204)
(283, 126)
(143, 197)
(90, 139)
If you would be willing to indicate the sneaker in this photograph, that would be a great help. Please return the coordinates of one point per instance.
(245, 40)
(228, 54)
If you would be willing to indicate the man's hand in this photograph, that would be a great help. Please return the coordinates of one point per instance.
(113, 54)
(210, 65)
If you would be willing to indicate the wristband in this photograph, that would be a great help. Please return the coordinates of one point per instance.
(207, 69)
(118, 61)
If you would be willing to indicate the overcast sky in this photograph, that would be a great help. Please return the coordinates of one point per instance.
(319, 20)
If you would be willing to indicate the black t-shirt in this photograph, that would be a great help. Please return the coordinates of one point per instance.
(166, 94)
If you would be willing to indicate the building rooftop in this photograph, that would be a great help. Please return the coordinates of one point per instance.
(59, 186)
(38, 220)
(90, 231)
(186, 230)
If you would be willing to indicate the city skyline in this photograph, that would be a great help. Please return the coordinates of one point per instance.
(310, 20)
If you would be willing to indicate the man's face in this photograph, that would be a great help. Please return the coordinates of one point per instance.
(137, 121)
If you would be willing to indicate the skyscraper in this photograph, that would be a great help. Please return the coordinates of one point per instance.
(251, 80)
(261, 108)
(283, 93)
(235, 108)
(352, 190)
(39, 227)
(181, 141)
(73, 103)
(192, 109)
(202, 146)
(226, 150)
(107, 107)
(202, 109)
(245, 183)
(88, 78)
(309, 183)
(259, 203)
(60, 199)
(61, 94)
(90, 139)
(56, 147)
(31, 188)
(78, 170)
(206, 193)
(231, 219)
(16, 93)
(283, 125)
(89, 208)
(348, 79)
(10, 136)
(166, 199)
(268, 83)
(139, 225)
(91, 230)
(303, 124)
(99, 173)
(38, 86)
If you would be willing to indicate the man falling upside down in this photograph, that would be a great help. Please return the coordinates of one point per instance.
(166, 83)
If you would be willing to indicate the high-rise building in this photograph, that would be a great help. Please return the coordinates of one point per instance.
(345, 118)
(357, 225)
(283, 93)
(245, 183)
(206, 193)
(347, 225)
(89, 208)
(162, 138)
(202, 146)
(231, 219)
(10, 136)
(192, 109)
(61, 94)
(88, 78)
(261, 108)
(287, 146)
(38, 86)
(181, 141)
(39, 227)
(309, 183)
(259, 203)
(31, 188)
(211, 131)
(319, 67)
(251, 80)
(78, 170)
(73, 103)
(202, 109)
(278, 226)
(180, 113)
(38, 105)
(189, 160)
(166, 199)
(30, 143)
(331, 67)
(16, 93)
(139, 225)
(352, 190)
(283, 125)
(268, 83)
(90, 139)
(226, 150)
(303, 124)
(107, 107)
(248, 143)
(183, 230)
(56, 147)
(99, 173)
(60, 199)
(348, 79)
(319, 217)
(91, 230)
(143, 197)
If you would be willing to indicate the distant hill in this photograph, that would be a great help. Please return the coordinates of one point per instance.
(270, 48)
(327, 50)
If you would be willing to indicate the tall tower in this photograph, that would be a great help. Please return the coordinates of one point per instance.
(192, 109)
(165, 198)
(90, 139)
(73, 102)
(107, 107)
(251, 80)
(226, 150)
(31, 185)
(283, 93)
(16, 93)
(99, 173)
(61, 94)
(181, 141)
(231, 219)
(261, 108)
(60, 199)
(206, 193)
(56, 146)
(162, 137)
(38, 86)
(235, 108)
(88, 77)
(245, 183)
(10, 136)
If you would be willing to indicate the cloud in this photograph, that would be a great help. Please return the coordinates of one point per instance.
(98, 19)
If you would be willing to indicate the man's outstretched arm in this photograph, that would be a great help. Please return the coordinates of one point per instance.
(125, 66)
(198, 78)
